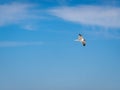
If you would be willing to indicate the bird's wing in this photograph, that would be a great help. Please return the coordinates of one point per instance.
(84, 42)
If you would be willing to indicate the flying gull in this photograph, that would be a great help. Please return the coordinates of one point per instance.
(81, 39)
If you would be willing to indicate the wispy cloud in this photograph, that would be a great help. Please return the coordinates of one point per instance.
(29, 27)
(18, 44)
(19, 13)
(90, 15)
(13, 13)
(94, 34)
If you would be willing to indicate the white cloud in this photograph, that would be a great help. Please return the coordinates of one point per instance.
(12, 13)
(18, 44)
(19, 13)
(90, 15)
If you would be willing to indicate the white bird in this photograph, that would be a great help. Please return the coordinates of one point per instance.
(81, 39)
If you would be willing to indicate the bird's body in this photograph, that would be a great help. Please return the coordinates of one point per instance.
(81, 39)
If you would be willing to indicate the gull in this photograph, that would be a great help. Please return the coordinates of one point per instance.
(81, 39)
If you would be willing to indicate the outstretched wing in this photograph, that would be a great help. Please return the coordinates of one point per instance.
(80, 37)
(84, 42)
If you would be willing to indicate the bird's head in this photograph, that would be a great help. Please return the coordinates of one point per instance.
(80, 35)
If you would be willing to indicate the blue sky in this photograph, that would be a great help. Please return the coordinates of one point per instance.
(38, 51)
